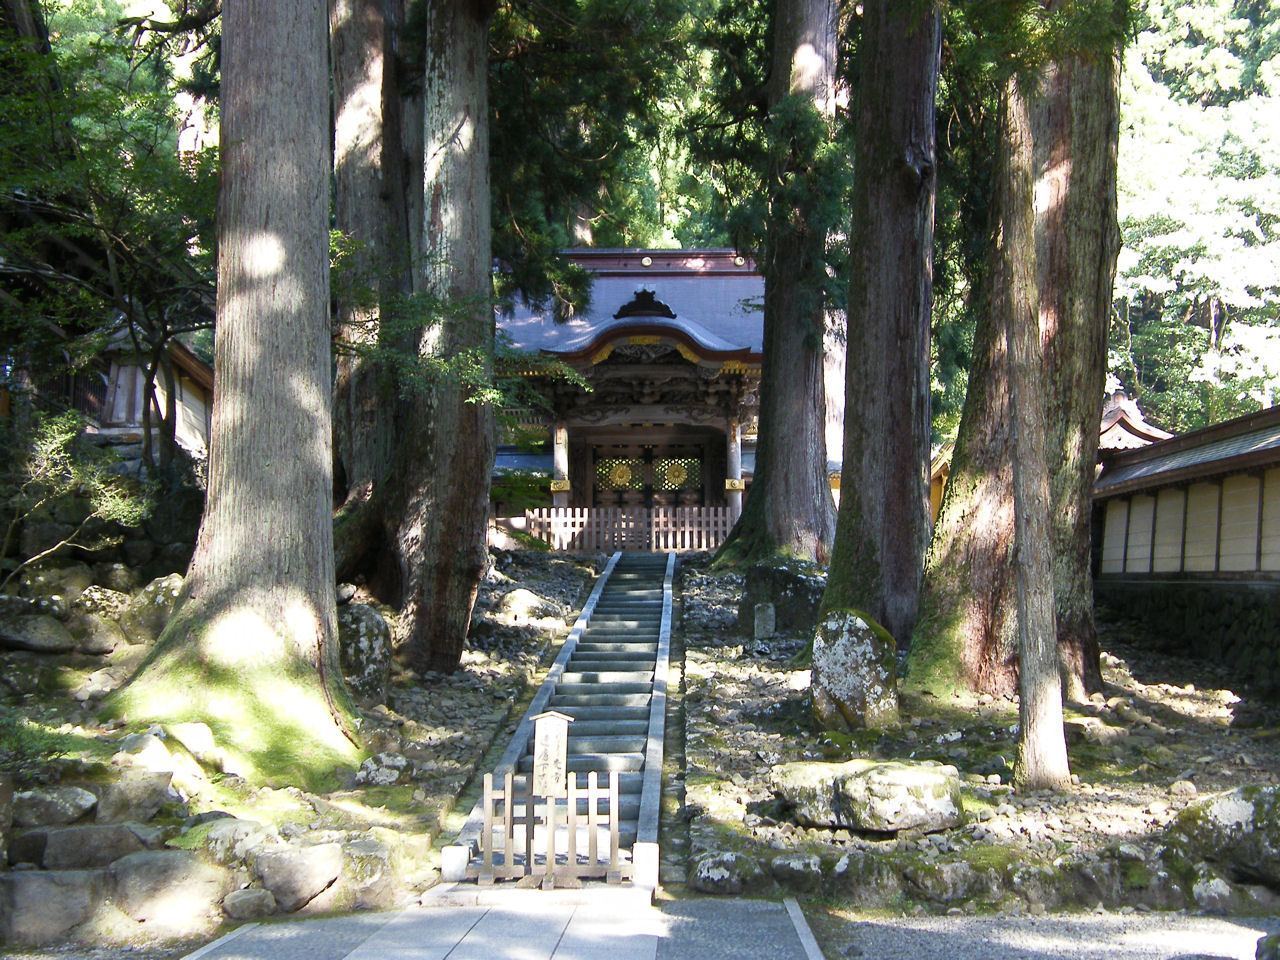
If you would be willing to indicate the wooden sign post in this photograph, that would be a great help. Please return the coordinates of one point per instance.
(550, 778)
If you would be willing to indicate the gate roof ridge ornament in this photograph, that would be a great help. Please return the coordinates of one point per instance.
(645, 303)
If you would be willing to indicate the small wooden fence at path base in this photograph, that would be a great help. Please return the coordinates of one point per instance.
(630, 528)
(510, 848)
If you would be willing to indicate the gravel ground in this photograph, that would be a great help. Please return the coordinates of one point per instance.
(1078, 937)
(1163, 732)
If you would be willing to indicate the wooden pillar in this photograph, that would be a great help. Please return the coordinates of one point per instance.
(733, 472)
(560, 464)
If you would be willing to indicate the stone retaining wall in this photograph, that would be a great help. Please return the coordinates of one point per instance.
(1234, 624)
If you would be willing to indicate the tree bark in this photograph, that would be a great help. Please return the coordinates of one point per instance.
(437, 512)
(1042, 746)
(1075, 122)
(790, 509)
(371, 211)
(883, 526)
(251, 649)
(965, 638)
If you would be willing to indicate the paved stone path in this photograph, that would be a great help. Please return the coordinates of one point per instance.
(530, 925)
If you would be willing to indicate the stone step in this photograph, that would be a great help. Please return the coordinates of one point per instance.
(621, 647)
(605, 743)
(580, 665)
(575, 678)
(628, 806)
(605, 713)
(559, 701)
(612, 656)
(629, 782)
(600, 762)
(613, 634)
(579, 689)
(607, 728)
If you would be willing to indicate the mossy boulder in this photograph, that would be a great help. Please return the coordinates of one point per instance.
(36, 632)
(1239, 831)
(728, 873)
(871, 795)
(364, 644)
(149, 610)
(854, 673)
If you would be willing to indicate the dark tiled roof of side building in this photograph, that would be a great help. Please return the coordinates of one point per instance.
(1251, 441)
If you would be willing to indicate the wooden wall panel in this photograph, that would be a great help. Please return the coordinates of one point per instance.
(1202, 527)
(1138, 554)
(1271, 521)
(1167, 548)
(1113, 536)
(1239, 544)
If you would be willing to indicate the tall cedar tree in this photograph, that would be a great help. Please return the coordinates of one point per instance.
(371, 211)
(436, 516)
(790, 510)
(883, 526)
(966, 635)
(1042, 747)
(251, 649)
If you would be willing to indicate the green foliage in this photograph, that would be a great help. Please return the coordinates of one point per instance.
(520, 490)
(50, 461)
(1196, 331)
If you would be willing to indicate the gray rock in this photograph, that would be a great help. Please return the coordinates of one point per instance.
(296, 875)
(27, 846)
(38, 632)
(52, 806)
(67, 581)
(138, 796)
(1211, 893)
(346, 592)
(95, 633)
(251, 903)
(364, 644)
(726, 873)
(231, 840)
(6, 816)
(797, 871)
(1268, 947)
(871, 795)
(521, 605)
(947, 882)
(149, 610)
(199, 741)
(793, 587)
(41, 906)
(103, 601)
(138, 553)
(854, 673)
(368, 874)
(868, 880)
(38, 536)
(173, 890)
(74, 848)
(117, 576)
(1239, 831)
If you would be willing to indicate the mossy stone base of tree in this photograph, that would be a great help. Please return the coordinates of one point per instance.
(793, 587)
(274, 722)
(854, 673)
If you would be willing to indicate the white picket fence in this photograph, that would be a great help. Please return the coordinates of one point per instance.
(630, 528)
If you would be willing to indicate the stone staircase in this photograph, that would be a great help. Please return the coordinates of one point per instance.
(611, 679)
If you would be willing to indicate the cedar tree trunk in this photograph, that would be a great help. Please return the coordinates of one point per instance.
(1042, 746)
(371, 212)
(883, 525)
(1075, 122)
(438, 506)
(966, 635)
(251, 649)
(790, 509)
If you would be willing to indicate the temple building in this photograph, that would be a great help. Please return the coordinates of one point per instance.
(662, 411)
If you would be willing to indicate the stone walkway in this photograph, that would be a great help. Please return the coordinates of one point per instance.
(531, 925)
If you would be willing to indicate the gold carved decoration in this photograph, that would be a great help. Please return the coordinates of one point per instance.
(644, 341)
(688, 353)
(559, 486)
(732, 484)
(834, 480)
(620, 475)
(603, 353)
(677, 474)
